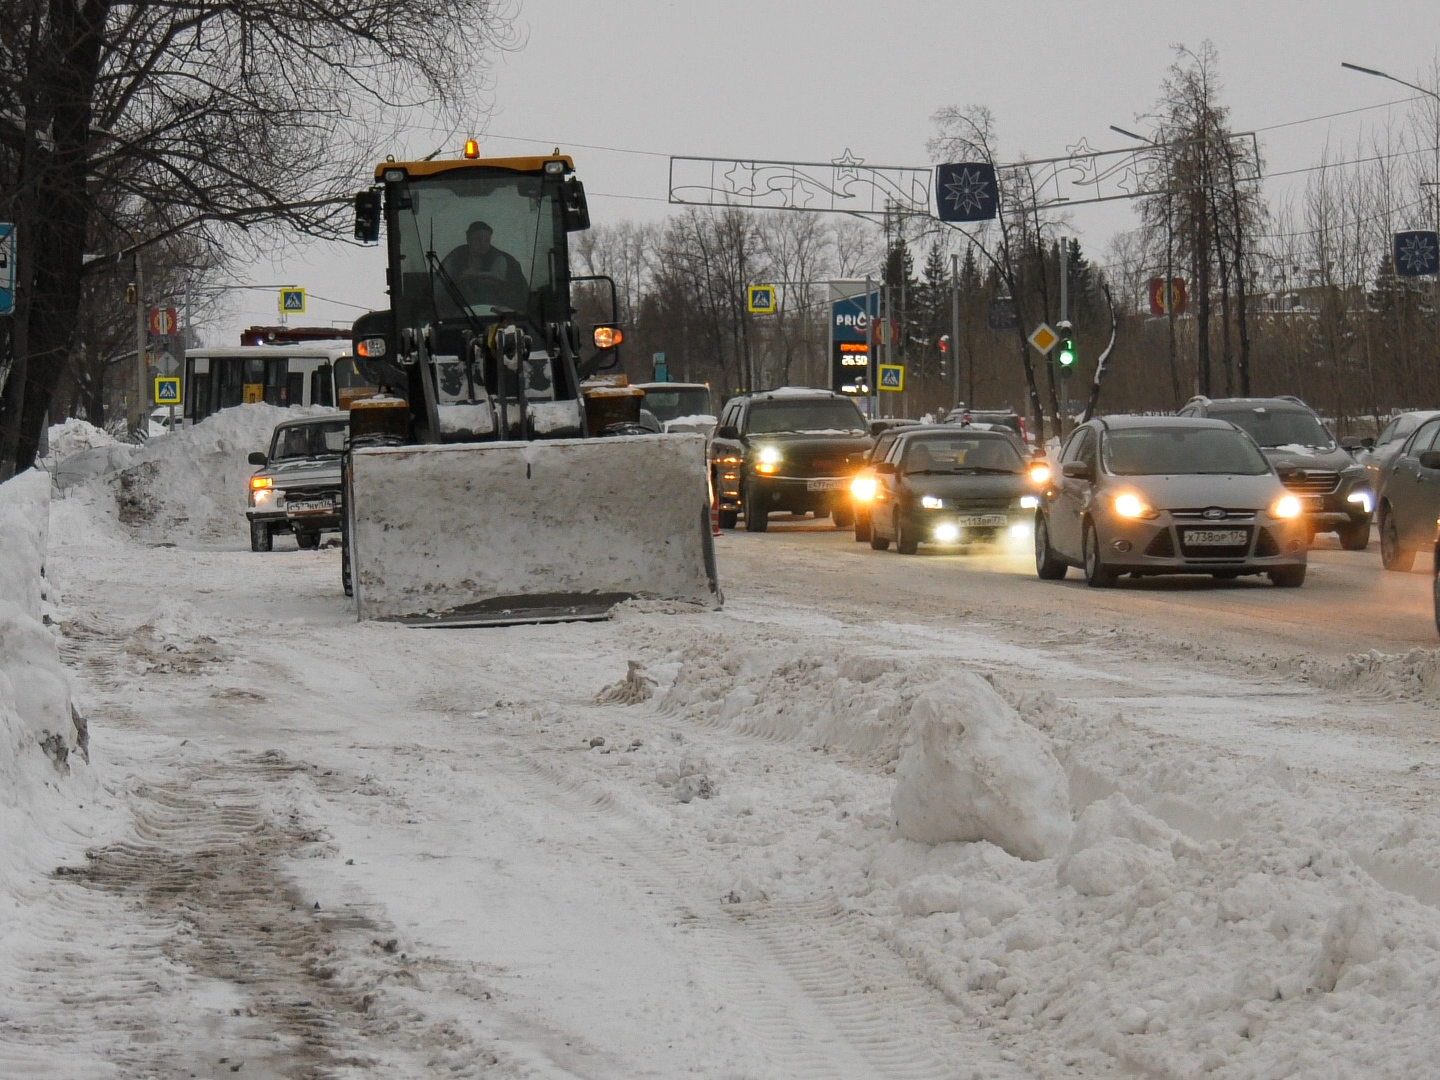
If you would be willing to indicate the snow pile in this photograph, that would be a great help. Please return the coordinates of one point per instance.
(192, 485)
(75, 435)
(1115, 845)
(976, 771)
(38, 729)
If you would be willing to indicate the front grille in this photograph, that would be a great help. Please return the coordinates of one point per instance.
(1311, 481)
(1197, 515)
(1266, 546)
(1162, 547)
(1210, 552)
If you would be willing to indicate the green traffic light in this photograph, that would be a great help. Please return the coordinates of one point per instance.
(1067, 353)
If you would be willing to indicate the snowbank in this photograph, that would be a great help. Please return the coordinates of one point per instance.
(976, 771)
(75, 435)
(191, 486)
(38, 730)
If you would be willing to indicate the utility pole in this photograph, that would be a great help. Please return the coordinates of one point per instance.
(872, 352)
(137, 408)
(955, 330)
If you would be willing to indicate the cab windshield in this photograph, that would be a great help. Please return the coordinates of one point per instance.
(673, 404)
(952, 454)
(1167, 451)
(475, 244)
(317, 440)
(818, 414)
(1279, 427)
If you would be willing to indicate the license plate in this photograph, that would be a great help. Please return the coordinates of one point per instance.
(831, 484)
(1215, 537)
(311, 506)
(1312, 502)
(980, 521)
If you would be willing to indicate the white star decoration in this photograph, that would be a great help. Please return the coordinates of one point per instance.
(968, 191)
(1417, 255)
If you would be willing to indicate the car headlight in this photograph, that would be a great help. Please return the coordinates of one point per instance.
(1132, 506)
(862, 488)
(1029, 502)
(947, 533)
(1287, 506)
(1363, 498)
(1040, 474)
(931, 502)
(768, 460)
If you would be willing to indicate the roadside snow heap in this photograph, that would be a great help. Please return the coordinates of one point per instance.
(976, 771)
(34, 689)
(191, 485)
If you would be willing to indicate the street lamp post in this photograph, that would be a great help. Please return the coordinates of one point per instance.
(1435, 180)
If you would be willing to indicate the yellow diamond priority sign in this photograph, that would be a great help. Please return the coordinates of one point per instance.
(1044, 339)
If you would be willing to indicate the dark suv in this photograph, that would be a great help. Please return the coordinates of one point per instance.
(1335, 493)
(789, 449)
(994, 417)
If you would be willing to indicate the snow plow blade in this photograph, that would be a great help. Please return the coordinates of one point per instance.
(493, 534)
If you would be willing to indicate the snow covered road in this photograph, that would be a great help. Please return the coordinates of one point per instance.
(330, 849)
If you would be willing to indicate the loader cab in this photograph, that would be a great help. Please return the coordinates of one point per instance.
(478, 269)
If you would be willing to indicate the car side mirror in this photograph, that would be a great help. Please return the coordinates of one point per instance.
(1430, 459)
(729, 431)
(1351, 443)
(257, 458)
(1078, 470)
(884, 468)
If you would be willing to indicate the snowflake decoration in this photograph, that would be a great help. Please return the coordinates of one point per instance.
(1416, 254)
(968, 192)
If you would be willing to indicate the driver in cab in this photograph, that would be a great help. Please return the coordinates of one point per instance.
(483, 274)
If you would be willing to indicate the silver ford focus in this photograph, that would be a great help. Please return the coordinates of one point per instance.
(1149, 495)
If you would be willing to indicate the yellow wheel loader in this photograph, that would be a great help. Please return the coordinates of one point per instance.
(481, 486)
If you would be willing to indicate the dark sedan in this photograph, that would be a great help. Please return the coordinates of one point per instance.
(1409, 496)
(941, 486)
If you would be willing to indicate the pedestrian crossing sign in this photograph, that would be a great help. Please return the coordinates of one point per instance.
(892, 378)
(292, 301)
(167, 390)
(762, 299)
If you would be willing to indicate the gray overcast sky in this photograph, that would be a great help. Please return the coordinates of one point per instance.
(805, 79)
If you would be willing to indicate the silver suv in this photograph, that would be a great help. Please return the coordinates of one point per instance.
(1167, 495)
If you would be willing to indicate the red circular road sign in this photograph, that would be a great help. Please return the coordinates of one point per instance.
(162, 321)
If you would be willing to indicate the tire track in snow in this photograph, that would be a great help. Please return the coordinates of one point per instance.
(823, 995)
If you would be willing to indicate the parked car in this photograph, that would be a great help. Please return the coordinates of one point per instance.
(681, 406)
(1003, 417)
(1376, 454)
(298, 488)
(789, 449)
(862, 487)
(947, 486)
(1409, 496)
(1334, 491)
(1168, 495)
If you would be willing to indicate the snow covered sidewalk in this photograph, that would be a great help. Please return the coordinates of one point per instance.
(667, 845)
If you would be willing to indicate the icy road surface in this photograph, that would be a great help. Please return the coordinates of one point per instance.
(338, 850)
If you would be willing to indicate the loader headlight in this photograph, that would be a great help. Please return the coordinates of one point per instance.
(607, 337)
(932, 502)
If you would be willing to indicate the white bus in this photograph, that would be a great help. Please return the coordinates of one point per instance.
(310, 373)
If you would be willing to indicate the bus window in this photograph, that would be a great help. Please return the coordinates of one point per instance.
(321, 387)
(294, 389)
(350, 385)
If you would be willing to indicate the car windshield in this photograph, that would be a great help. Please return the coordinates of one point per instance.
(1279, 427)
(325, 439)
(1177, 451)
(929, 454)
(673, 404)
(818, 414)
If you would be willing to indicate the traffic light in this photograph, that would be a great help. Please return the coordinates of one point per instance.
(1065, 353)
